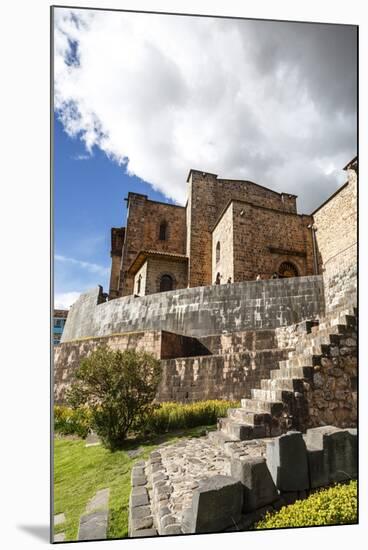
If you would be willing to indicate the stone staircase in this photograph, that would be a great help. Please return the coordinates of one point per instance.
(280, 404)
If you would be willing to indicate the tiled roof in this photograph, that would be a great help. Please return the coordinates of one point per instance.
(144, 254)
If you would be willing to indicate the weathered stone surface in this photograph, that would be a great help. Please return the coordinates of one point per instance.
(99, 501)
(217, 504)
(259, 487)
(339, 451)
(145, 522)
(138, 481)
(144, 533)
(138, 500)
(59, 518)
(60, 537)
(317, 470)
(140, 512)
(287, 462)
(172, 529)
(288, 300)
(93, 526)
(139, 490)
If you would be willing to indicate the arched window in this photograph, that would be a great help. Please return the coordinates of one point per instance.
(163, 231)
(166, 283)
(218, 252)
(287, 269)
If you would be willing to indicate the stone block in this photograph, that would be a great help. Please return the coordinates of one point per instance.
(59, 519)
(140, 512)
(339, 448)
(172, 529)
(136, 524)
(138, 481)
(318, 474)
(93, 526)
(216, 505)
(259, 487)
(287, 462)
(138, 500)
(144, 533)
(139, 490)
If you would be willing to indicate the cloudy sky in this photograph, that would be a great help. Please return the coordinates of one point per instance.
(147, 97)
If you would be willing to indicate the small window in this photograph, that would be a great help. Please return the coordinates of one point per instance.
(218, 253)
(163, 231)
(166, 283)
(139, 284)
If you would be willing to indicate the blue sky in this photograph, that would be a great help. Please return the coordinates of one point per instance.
(89, 193)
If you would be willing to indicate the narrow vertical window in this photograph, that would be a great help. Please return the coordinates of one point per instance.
(163, 231)
(139, 284)
(218, 253)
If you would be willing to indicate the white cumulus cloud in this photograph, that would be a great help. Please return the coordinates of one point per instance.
(271, 102)
(89, 266)
(63, 300)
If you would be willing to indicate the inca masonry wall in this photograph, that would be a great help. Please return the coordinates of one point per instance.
(200, 311)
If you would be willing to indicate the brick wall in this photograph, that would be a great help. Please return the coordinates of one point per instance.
(265, 238)
(157, 267)
(224, 235)
(336, 236)
(142, 233)
(117, 241)
(208, 198)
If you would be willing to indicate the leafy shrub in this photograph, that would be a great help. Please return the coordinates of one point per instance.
(162, 418)
(69, 421)
(118, 388)
(173, 416)
(332, 506)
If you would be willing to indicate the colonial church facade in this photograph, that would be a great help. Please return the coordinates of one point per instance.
(229, 231)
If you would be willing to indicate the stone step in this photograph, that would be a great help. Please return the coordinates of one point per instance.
(324, 337)
(307, 325)
(246, 417)
(318, 341)
(292, 372)
(301, 360)
(329, 329)
(242, 431)
(220, 438)
(273, 396)
(274, 408)
(344, 319)
(288, 384)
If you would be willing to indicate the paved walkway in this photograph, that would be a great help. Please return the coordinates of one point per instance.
(93, 524)
(187, 461)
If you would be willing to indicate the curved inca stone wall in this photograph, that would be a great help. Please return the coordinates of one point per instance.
(200, 311)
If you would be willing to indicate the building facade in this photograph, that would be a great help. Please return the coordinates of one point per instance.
(59, 320)
(229, 231)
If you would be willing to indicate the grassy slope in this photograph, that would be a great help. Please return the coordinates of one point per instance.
(80, 471)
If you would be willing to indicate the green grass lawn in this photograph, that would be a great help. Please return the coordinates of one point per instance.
(80, 471)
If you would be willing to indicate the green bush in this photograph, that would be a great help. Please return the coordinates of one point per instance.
(118, 388)
(162, 418)
(174, 416)
(332, 506)
(68, 421)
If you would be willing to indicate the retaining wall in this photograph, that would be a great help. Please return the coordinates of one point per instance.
(200, 311)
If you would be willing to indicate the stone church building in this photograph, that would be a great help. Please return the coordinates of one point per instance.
(228, 231)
